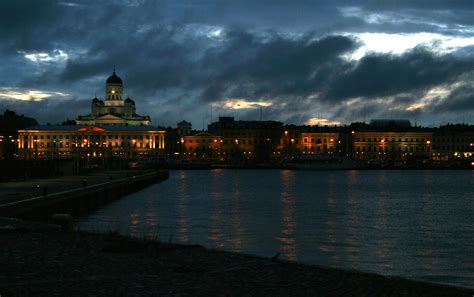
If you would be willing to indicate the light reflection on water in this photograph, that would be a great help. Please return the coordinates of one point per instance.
(415, 224)
(288, 222)
(182, 223)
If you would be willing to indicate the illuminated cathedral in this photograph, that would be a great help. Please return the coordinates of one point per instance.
(114, 110)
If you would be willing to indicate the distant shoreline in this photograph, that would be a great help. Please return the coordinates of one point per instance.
(253, 167)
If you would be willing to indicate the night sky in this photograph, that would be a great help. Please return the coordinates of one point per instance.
(300, 62)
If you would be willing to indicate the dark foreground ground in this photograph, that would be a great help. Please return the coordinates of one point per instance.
(41, 260)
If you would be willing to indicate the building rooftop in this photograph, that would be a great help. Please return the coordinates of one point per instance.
(230, 123)
(389, 122)
(78, 127)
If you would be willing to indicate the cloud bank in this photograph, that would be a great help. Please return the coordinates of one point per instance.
(293, 62)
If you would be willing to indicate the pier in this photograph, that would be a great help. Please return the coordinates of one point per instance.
(75, 196)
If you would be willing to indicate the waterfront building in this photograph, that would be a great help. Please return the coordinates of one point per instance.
(319, 143)
(113, 129)
(61, 142)
(289, 142)
(184, 128)
(390, 140)
(247, 140)
(202, 145)
(173, 145)
(453, 142)
(10, 123)
(316, 140)
(114, 110)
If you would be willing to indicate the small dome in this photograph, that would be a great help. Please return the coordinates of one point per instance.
(114, 79)
(128, 100)
(95, 100)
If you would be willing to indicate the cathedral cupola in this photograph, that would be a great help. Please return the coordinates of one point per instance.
(114, 79)
(114, 87)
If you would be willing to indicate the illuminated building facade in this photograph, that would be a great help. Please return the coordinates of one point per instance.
(289, 142)
(390, 140)
(202, 145)
(248, 140)
(114, 110)
(320, 143)
(453, 142)
(60, 142)
(113, 129)
(387, 145)
(311, 140)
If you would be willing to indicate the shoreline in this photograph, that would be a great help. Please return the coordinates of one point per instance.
(42, 260)
(285, 168)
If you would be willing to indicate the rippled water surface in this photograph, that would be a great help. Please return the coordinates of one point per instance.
(415, 224)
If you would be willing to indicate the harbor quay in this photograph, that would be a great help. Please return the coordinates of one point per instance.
(39, 199)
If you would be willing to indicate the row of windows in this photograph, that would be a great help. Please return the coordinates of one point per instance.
(94, 137)
(448, 139)
(202, 140)
(318, 148)
(319, 140)
(116, 144)
(199, 148)
(386, 149)
(454, 147)
(93, 154)
(392, 139)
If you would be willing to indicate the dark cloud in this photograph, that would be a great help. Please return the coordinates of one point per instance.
(24, 24)
(288, 53)
(52, 110)
(419, 4)
(460, 100)
(379, 75)
(274, 65)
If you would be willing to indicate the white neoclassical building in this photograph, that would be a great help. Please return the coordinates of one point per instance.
(113, 129)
